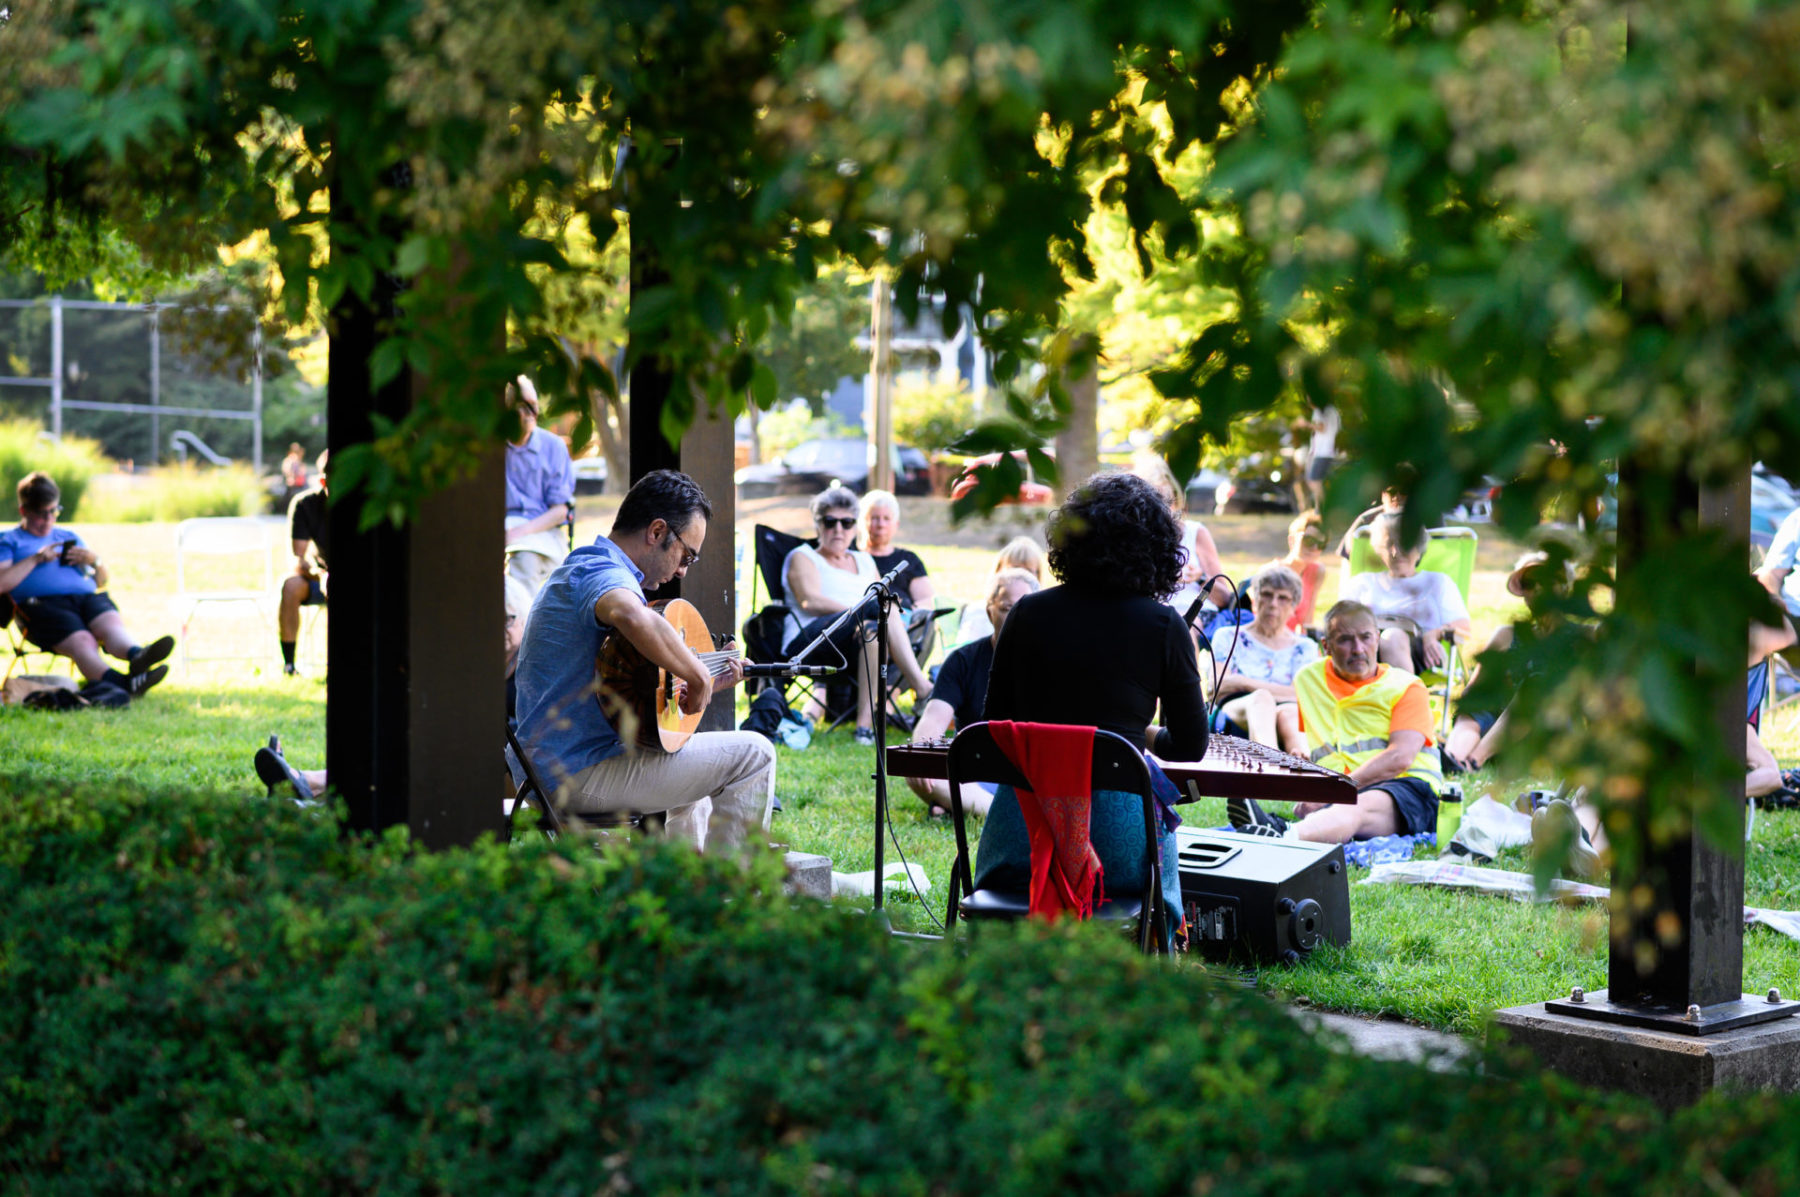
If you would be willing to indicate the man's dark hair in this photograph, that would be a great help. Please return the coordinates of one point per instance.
(666, 495)
(37, 492)
(1117, 533)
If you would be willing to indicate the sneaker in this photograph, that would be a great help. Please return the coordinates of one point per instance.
(1555, 825)
(1247, 815)
(144, 659)
(288, 669)
(865, 736)
(140, 682)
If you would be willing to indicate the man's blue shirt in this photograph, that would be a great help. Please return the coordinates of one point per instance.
(50, 577)
(560, 720)
(539, 475)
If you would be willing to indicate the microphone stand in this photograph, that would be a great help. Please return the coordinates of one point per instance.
(884, 604)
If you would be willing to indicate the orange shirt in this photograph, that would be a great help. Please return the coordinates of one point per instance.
(1411, 713)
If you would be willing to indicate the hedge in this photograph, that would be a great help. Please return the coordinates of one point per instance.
(203, 992)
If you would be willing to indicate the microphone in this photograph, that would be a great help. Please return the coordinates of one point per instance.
(887, 582)
(784, 671)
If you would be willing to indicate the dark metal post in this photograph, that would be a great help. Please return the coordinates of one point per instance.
(1677, 953)
(414, 726)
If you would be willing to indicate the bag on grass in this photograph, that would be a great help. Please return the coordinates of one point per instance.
(18, 689)
(53, 698)
(767, 711)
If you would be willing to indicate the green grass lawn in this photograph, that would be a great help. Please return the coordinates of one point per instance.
(1436, 957)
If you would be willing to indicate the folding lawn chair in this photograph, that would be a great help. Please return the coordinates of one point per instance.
(17, 648)
(553, 822)
(1449, 551)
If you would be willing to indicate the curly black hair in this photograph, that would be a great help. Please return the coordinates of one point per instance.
(1117, 533)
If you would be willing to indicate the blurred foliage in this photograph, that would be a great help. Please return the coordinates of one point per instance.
(73, 463)
(180, 492)
(785, 427)
(930, 414)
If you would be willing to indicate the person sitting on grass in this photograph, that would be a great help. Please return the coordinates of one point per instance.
(1476, 736)
(1417, 609)
(1370, 721)
(1256, 664)
(961, 693)
(56, 584)
(309, 529)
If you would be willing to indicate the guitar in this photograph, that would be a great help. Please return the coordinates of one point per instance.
(643, 700)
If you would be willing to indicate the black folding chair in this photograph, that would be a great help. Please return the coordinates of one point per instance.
(1117, 766)
(552, 822)
(14, 644)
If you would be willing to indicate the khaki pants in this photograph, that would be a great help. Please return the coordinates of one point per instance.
(715, 790)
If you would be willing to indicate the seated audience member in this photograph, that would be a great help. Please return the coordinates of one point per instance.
(1100, 650)
(719, 789)
(540, 486)
(1370, 721)
(1417, 609)
(1256, 664)
(1392, 502)
(1476, 736)
(309, 528)
(1306, 549)
(1777, 572)
(961, 692)
(272, 768)
(1021, 552)
(1200, 556)
(56, 584)
(880, 525)
(1574, 824)
(823, 583)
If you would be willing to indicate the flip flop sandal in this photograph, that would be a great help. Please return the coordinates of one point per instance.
(272, 769)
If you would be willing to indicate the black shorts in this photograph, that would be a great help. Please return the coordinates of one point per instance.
(1483, 720)
(1415, 803)
(50, 619)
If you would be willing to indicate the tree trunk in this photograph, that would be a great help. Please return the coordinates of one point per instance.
(1078, 444)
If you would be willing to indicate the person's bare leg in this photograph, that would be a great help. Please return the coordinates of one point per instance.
(866, 680)
(109, 630)
(84, 650)
(1490, 743)
(900, 653)
(1465, 737)
(1396, 649)
(315, 779)
(936, 793)
(294, 590)
(1374, 814)
(976, 800)
(1260, 717)
(1287, 729)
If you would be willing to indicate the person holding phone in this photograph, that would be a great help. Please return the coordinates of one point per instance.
(57, 588)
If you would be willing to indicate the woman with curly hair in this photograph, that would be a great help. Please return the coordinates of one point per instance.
(1102, 649)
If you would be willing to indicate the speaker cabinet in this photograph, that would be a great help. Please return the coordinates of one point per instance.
(1273, 899)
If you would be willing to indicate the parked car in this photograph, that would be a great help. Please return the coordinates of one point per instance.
(1031, 491)
(811, 466)
(1251, 493)
(1203, 490)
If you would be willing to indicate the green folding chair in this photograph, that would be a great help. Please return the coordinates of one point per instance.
(1449, 551)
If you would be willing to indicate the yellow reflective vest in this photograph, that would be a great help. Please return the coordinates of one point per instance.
(1348, 732)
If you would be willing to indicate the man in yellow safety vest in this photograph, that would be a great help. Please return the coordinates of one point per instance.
(1370, 721)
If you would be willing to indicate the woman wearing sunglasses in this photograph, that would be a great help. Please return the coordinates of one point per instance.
(824, 582)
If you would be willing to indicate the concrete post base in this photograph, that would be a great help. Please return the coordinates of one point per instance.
(1672, 1070)
(809, 875)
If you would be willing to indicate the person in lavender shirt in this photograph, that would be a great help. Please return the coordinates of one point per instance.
(540, 490)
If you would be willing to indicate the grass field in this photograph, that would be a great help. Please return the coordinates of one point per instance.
(1436, 957)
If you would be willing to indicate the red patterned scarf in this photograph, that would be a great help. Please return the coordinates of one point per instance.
(1058, 764)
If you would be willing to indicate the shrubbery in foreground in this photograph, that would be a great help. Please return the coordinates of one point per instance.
(206, 993)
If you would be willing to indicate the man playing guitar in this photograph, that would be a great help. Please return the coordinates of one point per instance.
(720, 784)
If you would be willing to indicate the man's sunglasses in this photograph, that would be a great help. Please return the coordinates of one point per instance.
(838, 521)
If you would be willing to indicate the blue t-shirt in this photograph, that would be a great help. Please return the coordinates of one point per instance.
(50, 577)
(560, 720)
(539, 475)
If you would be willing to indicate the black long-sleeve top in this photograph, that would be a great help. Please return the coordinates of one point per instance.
(1074, 654)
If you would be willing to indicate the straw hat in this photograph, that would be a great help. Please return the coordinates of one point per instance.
(1515, 580)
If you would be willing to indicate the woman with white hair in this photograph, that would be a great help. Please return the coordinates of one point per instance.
(880, 525)
(1256, 662)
